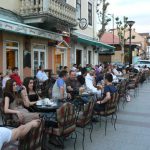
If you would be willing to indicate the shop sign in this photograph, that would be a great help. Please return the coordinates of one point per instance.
(28, 30)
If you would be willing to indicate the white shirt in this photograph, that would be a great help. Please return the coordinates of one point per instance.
(115, 79)
(4, 81)
(89, 84)
(115, 71)
(5, 136)
(74, 69)
(41, 75)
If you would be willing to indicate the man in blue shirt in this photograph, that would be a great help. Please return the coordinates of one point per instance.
(59, 88)
(108, 90)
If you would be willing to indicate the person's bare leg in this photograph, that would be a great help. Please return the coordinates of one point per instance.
(22, 130)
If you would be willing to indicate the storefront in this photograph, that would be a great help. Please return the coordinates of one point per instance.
(26, 47)
(85, 50)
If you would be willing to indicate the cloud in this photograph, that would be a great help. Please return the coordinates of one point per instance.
(137, 10)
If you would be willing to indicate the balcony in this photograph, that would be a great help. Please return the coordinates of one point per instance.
(41, 10)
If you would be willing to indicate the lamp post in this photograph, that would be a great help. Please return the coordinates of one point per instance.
(130, 24)
(112, 15)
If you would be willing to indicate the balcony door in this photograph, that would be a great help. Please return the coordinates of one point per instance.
(39, 57)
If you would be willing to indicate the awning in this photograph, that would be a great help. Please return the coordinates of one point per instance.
(102, 48)
(20, 28)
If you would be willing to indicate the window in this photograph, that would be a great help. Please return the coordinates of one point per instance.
(78, 7)
(90, 14)
(39, 56)
(12, 49)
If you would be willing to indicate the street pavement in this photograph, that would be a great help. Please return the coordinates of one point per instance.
(133, 128)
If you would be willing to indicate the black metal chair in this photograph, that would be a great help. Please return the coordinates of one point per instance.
(66, 124)
(7, 119)
(109, 110)
(84, 118)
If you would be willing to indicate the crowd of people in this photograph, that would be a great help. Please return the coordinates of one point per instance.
(19, 96)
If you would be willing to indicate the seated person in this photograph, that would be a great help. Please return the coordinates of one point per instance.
(65, 68)
(31, 90)
(32, 94)
(81, 78)
(72, 84)
(90, 83)
(8, 135)
(15, 76)
(115, 71)
(108, 90)
(5, 78)
(74, 67)
(14, 103)
(41, 75)
(59, 88)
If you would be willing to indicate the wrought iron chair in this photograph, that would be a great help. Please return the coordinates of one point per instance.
(34, 139)
(84, 118)
(7, 119)
(123, 92)
(110, 110)
(66, 124)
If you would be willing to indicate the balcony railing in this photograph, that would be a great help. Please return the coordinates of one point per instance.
(55, 8)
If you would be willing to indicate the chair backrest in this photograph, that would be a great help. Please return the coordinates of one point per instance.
(66, 117)
(88, 108)
(111, 105)
(87, 113)
(33, 140)
(7, 119)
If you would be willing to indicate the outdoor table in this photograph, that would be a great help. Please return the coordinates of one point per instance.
(48, 112)
(122, 78)
(80, 100)
(48, 108)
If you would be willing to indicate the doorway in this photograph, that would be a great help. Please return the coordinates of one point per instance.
(78, 57)
(89, 57)
(11, 54)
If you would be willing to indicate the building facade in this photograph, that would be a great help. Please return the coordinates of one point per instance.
(47, 32)
(85, 46)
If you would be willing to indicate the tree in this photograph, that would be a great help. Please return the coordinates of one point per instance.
(101, 10)
(122, 27)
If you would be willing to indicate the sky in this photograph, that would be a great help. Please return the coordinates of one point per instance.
(136, 10)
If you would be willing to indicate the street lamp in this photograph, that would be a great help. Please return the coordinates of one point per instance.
(130, 24)
(112, 15)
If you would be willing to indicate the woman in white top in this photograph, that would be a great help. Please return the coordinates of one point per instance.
(5, 78)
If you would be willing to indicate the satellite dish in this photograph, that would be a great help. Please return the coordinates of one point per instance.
(83, 24)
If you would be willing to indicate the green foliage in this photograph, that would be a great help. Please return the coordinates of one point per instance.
(121, 28)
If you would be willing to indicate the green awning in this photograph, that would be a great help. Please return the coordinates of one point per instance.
(103, 48)
(20, 28)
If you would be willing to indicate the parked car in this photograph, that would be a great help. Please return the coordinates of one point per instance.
(142, 63)
(119, 65)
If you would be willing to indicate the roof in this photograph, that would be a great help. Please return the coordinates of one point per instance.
(108, 38)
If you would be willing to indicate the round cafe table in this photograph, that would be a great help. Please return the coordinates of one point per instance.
(48, 108)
